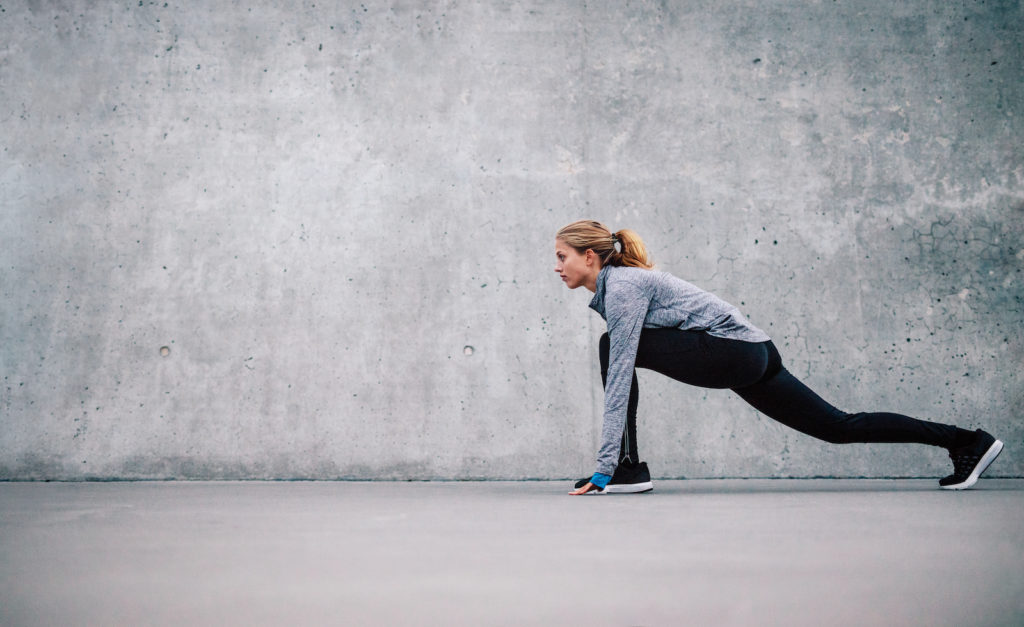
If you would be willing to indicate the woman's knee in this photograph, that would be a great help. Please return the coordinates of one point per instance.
(844, 429)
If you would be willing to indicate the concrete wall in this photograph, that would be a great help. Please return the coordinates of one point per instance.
(259, 240)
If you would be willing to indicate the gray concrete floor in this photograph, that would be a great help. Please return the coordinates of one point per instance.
(744, 552)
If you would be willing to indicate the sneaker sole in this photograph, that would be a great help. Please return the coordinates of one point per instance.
(986, 460)
(628, 488)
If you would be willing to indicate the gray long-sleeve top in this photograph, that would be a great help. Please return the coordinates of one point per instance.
(630, 299)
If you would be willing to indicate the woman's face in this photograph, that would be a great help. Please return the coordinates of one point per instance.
(573, 267)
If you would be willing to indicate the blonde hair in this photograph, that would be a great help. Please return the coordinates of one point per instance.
(591, 234)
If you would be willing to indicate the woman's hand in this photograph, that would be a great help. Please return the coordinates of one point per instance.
(590, 487)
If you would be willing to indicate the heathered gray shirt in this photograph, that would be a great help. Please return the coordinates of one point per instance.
(632, 298)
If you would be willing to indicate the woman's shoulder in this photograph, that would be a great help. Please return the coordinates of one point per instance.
(625, 280)
(653, 283)
(638, 276)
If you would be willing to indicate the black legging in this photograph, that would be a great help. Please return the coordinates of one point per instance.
(755, 372)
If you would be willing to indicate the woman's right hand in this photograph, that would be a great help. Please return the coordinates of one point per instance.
(590, 487)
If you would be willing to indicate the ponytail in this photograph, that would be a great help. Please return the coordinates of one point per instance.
(633, 252)
(622, 248)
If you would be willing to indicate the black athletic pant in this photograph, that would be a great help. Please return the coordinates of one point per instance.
(755, 372)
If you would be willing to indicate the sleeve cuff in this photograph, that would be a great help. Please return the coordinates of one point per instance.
(600, 480)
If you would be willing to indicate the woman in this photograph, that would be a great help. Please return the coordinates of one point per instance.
(662, 323)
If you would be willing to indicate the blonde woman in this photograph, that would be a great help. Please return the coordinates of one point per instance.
(660, 322)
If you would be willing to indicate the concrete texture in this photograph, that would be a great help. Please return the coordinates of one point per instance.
(815, 552)
(283, 240)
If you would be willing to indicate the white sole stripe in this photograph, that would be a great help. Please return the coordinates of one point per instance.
(628, 488)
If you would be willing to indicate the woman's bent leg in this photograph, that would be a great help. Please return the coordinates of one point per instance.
(692, 357)
(696, 358)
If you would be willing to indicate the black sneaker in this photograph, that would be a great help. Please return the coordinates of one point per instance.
(970, 461)
(628, 479)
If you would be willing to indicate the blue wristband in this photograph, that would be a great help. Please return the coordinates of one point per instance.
(600, 480)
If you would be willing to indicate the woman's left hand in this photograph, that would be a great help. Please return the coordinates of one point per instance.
(590, 487)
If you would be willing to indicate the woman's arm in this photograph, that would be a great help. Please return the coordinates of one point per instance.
(625, 310)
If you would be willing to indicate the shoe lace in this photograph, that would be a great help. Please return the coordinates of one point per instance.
(963, 463)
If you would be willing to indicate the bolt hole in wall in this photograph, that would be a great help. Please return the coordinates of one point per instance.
(467, 351)
(165, 351)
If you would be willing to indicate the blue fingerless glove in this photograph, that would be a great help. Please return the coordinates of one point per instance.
(600, 480)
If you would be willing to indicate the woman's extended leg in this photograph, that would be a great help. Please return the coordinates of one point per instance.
(755, 372)
(782, 397)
